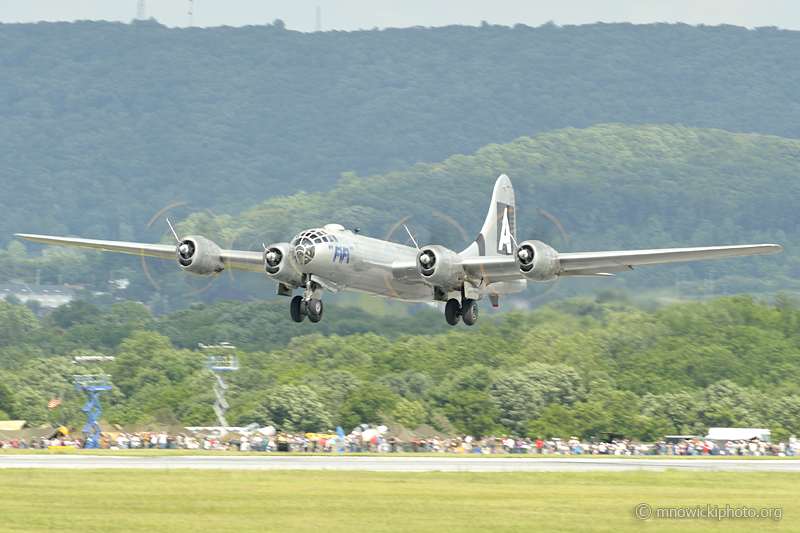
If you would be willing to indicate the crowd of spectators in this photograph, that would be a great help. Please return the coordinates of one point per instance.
(65, 441)
(377, 443)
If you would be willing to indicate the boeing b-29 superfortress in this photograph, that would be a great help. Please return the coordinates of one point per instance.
(333, 259)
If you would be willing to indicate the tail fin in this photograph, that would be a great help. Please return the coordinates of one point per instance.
(499, 232)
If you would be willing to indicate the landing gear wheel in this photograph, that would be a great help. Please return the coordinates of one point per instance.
(452, 311)
(314, 310)
(469, 310)
(296, 309)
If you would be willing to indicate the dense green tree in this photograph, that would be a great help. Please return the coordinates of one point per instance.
(473, 377)
(291, 409)
(555, 383)
(370, 404)
(555, 421)
(472, 412)
(8, 403)
(147, 358)
(786, 413)
(409, 384)
(409, 414)
(332, 388)
(679, 409)
(517, 400)
(74, 313)
(16, 324)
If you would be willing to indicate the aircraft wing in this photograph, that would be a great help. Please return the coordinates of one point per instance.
(625, 260)
(602, 264)
(233, 259)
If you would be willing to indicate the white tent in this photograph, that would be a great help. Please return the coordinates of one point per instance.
(734, 434)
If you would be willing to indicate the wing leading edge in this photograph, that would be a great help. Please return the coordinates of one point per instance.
(233, 259)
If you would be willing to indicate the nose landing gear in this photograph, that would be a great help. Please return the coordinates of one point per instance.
(300, 309)
(307, 305)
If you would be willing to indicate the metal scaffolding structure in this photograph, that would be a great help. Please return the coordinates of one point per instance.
(92, 385)
(220, 364)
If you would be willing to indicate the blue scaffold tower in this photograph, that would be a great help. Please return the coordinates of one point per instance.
(220, 364)
(92, 385)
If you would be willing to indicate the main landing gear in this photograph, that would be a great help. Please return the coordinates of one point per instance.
(307, 305)
(301, 309)
(466, 309)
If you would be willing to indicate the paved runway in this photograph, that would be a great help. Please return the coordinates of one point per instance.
(395, 464)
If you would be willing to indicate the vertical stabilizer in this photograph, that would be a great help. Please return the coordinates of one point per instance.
(499, 232)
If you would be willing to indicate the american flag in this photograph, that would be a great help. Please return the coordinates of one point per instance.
(55, 402)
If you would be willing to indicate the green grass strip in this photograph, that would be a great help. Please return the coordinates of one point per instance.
(244, 501)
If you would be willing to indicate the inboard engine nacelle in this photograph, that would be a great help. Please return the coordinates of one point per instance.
(440, 267)
(537, 261)
(199, 256)
(278, 266)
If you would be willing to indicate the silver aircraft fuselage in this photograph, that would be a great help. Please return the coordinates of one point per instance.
(358, 263)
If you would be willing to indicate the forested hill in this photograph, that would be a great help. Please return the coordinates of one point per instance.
(102, 124)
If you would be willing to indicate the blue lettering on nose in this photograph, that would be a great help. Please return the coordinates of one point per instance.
(345, 253)
(337, 253)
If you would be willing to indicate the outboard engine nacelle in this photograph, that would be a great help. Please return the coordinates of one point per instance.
(199, 256)
(440, 267)
(278, 266)
(537, 261)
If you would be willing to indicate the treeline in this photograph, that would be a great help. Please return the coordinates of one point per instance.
(575, 367)
(610, 186)
(102, 124)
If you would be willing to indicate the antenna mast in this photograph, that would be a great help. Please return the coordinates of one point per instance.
(191, 12)
(140, 10)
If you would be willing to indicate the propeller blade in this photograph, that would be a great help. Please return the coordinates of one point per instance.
(173, 231)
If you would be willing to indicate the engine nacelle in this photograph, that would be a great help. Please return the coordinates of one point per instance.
(278, 266)
(537, 261)
(440, 267)
(199, 256)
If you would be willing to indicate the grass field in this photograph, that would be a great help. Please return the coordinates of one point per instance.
(244, 501)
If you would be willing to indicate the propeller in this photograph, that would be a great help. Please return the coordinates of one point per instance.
(439, 234)
(224, 237)
(543, 229)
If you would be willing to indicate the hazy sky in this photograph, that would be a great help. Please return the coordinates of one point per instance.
(357, 14)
